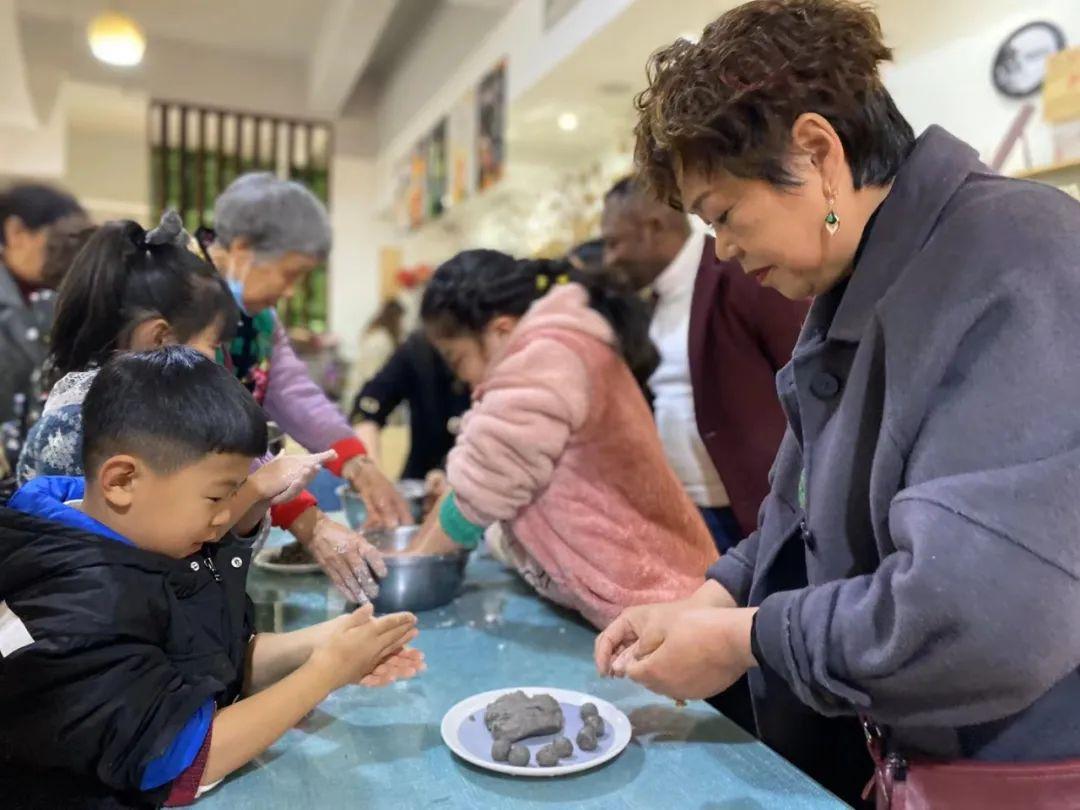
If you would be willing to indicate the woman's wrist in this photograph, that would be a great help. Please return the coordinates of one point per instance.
(741, 630)
(303, 528)
(713, 594)
(356, 467)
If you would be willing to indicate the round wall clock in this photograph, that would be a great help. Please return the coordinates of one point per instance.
(1020, 63)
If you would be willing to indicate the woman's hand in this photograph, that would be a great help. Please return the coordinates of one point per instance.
(386, 508)
(285, 477)
(619, 644)
(350, 561)
(694, 654)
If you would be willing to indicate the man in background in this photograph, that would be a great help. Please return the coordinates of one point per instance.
(721, 339)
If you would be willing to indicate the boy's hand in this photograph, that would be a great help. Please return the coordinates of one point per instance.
(281, 480)
(400, 666)
(358, 645)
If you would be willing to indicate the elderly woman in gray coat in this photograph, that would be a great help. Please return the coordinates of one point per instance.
(917, 562)
(269, 234)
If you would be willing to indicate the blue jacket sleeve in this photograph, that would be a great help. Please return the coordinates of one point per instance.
(178, 757)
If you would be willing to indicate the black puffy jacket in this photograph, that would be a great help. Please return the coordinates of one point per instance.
(127, 645)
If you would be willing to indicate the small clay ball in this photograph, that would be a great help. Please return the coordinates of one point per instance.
(586, 739)
(519, 756)
(563, 747)
(546, 757)
(500, 751)
(596, 723)
(589, 710)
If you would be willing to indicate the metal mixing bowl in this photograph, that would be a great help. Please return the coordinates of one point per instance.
(356, 512)
(415, 583)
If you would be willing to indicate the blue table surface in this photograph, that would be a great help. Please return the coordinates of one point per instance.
(382, 748)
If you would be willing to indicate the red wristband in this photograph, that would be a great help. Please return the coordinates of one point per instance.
(346, 449)
(285, 514)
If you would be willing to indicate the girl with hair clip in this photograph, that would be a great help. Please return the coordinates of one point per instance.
(559, 448)
(131, 290)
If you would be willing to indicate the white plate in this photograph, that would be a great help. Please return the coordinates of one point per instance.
(615, 740)
(267, 560)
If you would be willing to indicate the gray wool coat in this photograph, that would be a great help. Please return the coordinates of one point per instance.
(24, 327)
(918, 557)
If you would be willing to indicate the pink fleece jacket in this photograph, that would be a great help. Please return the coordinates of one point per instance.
(561, 446)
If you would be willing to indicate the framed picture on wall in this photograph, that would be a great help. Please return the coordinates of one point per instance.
(1020, 63)
(491, 127)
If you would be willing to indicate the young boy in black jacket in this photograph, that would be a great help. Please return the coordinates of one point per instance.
(130, 674)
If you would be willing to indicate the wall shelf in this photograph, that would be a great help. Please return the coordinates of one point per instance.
(1047, 173)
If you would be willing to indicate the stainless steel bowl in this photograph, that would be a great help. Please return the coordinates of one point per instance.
(415, 582)
(356, 512)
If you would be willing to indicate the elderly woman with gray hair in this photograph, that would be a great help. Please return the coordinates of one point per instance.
(269, 234)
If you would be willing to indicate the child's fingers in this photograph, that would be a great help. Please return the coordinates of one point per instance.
(362, 615)
(394, 641)
(377, 681)
(393, 621)
(323, 458)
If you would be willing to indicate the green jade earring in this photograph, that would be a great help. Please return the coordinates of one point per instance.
(832, 221)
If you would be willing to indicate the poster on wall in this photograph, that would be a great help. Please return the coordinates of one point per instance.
(436, 171)
(417, 197)
(402, 180)
(491, 127)
(461, 148)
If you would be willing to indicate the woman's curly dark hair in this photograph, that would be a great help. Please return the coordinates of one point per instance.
(729, 101)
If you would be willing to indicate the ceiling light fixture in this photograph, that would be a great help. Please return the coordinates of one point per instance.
(568, 122)
(116, 39)
(690, 36)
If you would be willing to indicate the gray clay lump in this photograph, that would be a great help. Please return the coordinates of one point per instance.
(500, 750)
(518, 716)
(589, 710)
(586, 739)
(547, 757)
(563, 747)
(596, 723)
(519, 756)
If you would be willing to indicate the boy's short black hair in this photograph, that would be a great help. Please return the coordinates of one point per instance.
(170, 408)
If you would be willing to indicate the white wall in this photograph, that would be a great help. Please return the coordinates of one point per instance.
(110, 173)
(445, 42)
(354, 261)
(520, 35)
(951, 85)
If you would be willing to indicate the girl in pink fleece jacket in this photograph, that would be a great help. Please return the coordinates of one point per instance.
(560, 448)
